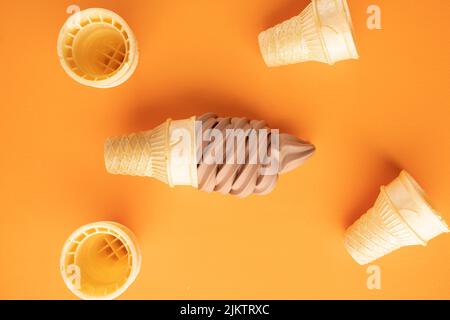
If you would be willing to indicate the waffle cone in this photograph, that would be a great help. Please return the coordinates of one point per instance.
(97, 48)
(400, 217)
(100, 261)
(322, 33)
(142, 154)
(166, 153)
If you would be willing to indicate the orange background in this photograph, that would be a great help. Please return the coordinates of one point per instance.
(368, 119)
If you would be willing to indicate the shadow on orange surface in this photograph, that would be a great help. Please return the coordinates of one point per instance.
(195, 103)
(387, 171)
(286, 10)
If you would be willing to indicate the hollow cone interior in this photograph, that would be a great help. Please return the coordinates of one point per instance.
(100, 261)
(97, 48)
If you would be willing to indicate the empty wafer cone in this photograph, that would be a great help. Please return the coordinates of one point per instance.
(100, 261)
(400, 217)
(322, 32)
(97, 48)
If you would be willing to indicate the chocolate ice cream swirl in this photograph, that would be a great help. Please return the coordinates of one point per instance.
(243, 180)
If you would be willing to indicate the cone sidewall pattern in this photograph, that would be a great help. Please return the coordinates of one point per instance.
(322, 32)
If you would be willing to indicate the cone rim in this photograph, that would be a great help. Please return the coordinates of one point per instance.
(348, 35)
(132, 243)
(351, 38)
(125, 71)
(420, 194)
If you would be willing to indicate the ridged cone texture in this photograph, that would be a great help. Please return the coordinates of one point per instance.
(142, 154)
(379, 232)
(295, 40)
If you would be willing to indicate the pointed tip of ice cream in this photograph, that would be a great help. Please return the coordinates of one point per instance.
(311, 149)
(293, 153)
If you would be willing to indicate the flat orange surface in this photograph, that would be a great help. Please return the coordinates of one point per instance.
(368, 118)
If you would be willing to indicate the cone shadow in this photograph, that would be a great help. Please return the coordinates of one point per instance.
(146, 116)
(118, 214)
(386, 172)
(285, 11)
(115, 208)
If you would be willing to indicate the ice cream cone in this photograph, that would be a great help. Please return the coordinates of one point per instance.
(230, 155)
(322, 32)
(100, 261)
(97, 48)
(166, 153)
(400, 217)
